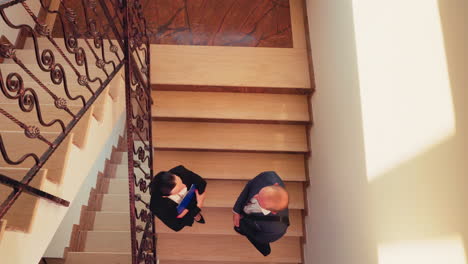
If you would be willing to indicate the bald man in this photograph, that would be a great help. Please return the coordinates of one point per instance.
(261, 211)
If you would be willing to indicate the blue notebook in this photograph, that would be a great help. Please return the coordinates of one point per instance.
(187, 199)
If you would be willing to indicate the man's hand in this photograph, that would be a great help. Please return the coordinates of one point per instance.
(236, 219)
(200, 198)
(183, 213)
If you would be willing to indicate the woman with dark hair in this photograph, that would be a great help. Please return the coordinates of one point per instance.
(168, 188)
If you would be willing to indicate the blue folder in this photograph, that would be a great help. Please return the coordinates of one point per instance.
(187, 199)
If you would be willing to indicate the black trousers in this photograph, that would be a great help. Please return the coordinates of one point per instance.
(262, 247)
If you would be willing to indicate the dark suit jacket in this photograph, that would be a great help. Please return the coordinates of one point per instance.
(261, 231)
(166, 209)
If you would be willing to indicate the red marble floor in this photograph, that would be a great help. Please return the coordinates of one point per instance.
(246, 23)
(242, 23)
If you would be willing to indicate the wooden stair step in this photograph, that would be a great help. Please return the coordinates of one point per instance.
(236, 137)
(119, 157)
(107, 241)
(221, 193)
(98, 257)
(111, 221)
(20, 216)
(49, 114)
(199, 247)
(233, 165)
(225, 248)
(125, 258)
(242, 107)
(117, 202)
(221, 165)
(230, 66)
(213, 262)
(219, 222)
(59, 91)
(118, 186)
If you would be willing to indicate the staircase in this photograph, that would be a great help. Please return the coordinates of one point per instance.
(31, 222)
(228, 138)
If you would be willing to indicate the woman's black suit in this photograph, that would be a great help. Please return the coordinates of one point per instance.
(166, 209)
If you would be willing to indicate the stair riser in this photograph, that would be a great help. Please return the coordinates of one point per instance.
(107, 242)
(219, 222)
(226, 248)
(107, 221)
(217, 199)
(230, 137)
(119, 171)
(117, 203)
(230, 66)
(229, 107)
(119, 158)
(109, 258)
(213, 248)
(103, 258)
(233, 165)
(221, 165)
(212, 262)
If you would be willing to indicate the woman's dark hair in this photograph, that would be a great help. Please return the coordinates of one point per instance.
(163, 183)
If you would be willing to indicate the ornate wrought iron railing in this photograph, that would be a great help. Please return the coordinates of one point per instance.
(139, 131)
(80, 59)
(75, 58)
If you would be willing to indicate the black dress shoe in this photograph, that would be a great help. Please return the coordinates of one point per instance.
(202, 220)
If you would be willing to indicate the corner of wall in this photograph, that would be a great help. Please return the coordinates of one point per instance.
(62, 236)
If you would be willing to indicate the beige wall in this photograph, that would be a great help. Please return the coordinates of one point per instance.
(18, 16)
(62, 236)
(105, 122)
(389, 170)
(337, 228)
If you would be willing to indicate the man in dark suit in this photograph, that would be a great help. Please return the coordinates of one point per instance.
(261, 211)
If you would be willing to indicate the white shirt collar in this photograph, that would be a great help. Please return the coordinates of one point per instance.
(254, 207)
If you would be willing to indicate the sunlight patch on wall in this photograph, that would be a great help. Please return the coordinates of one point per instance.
(405, 88)
(448, 250)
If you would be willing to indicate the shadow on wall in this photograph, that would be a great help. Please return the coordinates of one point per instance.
(415, 212)
(419, 208)
(337, 228)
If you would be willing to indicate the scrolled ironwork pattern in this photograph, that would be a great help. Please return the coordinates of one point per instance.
(46, 90)
(66, 75)
(139, 131)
